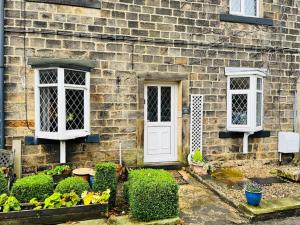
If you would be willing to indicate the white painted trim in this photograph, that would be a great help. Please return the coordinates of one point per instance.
(241, 71)
(192, 122)
(251, 100)
(62, 133)
(173, 124)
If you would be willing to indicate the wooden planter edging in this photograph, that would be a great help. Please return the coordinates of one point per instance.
(54, 216)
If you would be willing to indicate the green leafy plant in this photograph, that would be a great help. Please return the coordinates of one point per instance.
(36, 203)
(11, 204)
(152, 194)
(53, 202)
(95, 198)
(70, 199)
(76, 184)
(3, 199)
(3, 183)
(253, 187)
(36, 186)
(106, 178)
(197, 157)
(57, 170)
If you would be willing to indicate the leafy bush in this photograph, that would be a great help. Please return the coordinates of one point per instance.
(153, 194)
(76, 184)
(57, 170)
(36, 186)
(53, 202)
(106, 178)
(3, 183)
(95, 198)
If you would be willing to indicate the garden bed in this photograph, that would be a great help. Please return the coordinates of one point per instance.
(229, 183)
(54, 216)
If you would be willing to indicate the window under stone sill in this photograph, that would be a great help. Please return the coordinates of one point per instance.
(83, 3)
(246, 19)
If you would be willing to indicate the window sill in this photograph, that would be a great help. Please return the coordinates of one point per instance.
(245, 19)
(82, 3)
(230, 134)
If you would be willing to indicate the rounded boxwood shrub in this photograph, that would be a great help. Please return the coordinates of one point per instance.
(106, 178)
(36, 186)
(76, 184)
(3, 184)
(153, 195)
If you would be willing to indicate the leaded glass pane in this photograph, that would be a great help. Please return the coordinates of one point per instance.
(236, 6)
(259, 84)
(48, 76)
(250, 7)
(48, 109)
(152, 100)
(165, 104)
(239, 109)
(258, 109)
(74, 77)
(240, 83)
(74, 109)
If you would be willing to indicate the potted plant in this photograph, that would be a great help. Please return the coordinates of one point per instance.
(253, 193)
(59, 173)
(199, 165)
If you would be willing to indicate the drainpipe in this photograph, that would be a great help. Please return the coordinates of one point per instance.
(245, 142)
(2, 135)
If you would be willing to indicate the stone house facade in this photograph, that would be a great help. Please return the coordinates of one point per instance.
(146, 59)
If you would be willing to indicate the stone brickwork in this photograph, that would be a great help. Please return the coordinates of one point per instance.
(129, 38)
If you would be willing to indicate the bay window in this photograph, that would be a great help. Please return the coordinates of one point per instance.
(244, 99)
(62, 103)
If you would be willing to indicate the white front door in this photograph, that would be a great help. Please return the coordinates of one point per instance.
(160, 123)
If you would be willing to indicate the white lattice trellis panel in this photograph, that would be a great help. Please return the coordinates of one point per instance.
(196, 122)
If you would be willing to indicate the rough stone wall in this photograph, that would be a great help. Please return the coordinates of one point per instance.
(131, 37)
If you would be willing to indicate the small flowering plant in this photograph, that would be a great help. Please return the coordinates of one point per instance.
(253, 187)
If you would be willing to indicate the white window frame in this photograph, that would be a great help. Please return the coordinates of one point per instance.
(62, 133)
(253, 74)
(242, 12)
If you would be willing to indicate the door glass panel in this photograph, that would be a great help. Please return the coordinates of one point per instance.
(152, 100)
(239, 109)
(165, 104)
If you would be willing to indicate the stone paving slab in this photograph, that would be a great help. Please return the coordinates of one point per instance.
(125, 220)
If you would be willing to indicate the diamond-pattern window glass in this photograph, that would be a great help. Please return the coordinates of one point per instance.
(74, 109)
(250, 7)
(165, 104)
(240, 83)
(259, 84)
(152, 106)
(48, 76)
(239, 109)
(74, 77)
(236, 5)
(48, 109)
(258, 109)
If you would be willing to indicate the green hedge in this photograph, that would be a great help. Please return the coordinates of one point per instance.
(153, 194)
(105, 178)
(3, 184)
(69, 184)
(36, 186)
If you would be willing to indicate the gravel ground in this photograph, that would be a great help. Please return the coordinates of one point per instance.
(276, 190)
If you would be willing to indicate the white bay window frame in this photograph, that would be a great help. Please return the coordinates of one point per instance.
(242, 12)
(253, 74)
(62, 132)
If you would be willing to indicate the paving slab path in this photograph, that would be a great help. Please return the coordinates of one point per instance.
(200, 206)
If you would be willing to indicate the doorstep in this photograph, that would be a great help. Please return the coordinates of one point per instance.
(165, 165)
(126, 220)
(268, 209)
